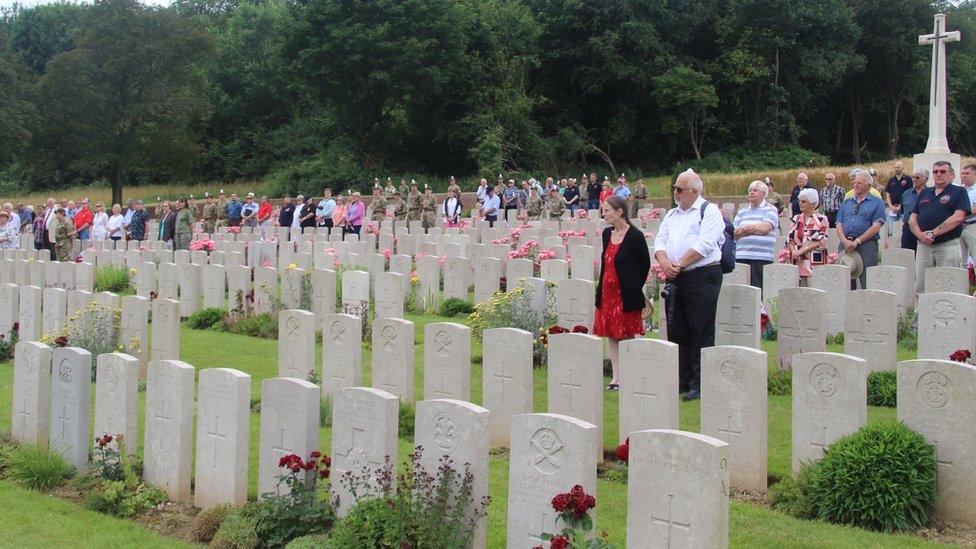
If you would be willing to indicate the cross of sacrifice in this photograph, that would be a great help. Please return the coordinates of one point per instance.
(670, 523)
(937, 106)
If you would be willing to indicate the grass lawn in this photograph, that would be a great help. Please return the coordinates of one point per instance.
(27, 513)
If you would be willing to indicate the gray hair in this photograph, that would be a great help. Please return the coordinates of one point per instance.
(922, 172)
(696, 180)
(761, 186)
(858, 171)
(811, 196)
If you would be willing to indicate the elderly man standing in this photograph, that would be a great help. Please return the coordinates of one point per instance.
(908, 200)
(858, 222)
(968, 178)
(894, 189)
(802, 182)
(936, 222)
(688, 247)
(754, 233)
(831, 195)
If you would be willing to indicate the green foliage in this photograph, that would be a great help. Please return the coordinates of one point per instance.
(264, 325)
(453, 307)
(747, 159)
(34, 467)
(207, 522)
(908, 329)
(407, 421)
(308, 542)
(111, 279)
(792, 495)
(325, 412)
(513, 309)
(883, 389)
(298, 507)
(239, 530)
(780, 383)
(686, 96)
(882, 477)
(8, 342)
(423, 509)
(116, 498)
(205, 319)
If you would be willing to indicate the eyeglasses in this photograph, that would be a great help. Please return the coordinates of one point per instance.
(857, 207)
(679, 190)
(940, 171)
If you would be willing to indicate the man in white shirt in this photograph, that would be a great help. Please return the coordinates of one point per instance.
(482, 192)
(688, 247)
(49, 218)
(967, 176)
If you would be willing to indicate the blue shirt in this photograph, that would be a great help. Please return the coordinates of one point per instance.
(758, 247)
(325, 208)
(908, 200)
(622, 191)
(933, 209)
(234, 208)
(858, 217)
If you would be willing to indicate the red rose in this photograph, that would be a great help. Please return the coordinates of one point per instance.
(623, 451)
(16, 326)
(309, 465)
(962, 355)
(324, 473)
(108, 438)
(560, 502)
(315, 454)
(559, 542)
(327, 461)
(590, 502)
(580, 329)
(296, 468)
(558, 330)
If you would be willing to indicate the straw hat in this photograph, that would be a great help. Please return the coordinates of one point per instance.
(853, 261)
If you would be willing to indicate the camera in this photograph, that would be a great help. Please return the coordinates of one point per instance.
(669, 290)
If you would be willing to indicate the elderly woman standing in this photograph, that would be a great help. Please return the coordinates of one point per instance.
(8, 236)
(808, 237)
(755, 233)
(623, 271)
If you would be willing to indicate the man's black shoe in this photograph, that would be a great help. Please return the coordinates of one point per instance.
(692, 395)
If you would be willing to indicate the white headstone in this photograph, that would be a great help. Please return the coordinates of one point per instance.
(31, 393)
(737, 316)
(778, 276)
(802, 324)
(946, 323)
(30, 313)
(296, 344)
(116, 397)
(389, 298)
(835, 280)
(507, 379)
(364, 435)
(71, 404)
(342, 356)
(648, 385)
(223, 431)
(946, 279)
(575, 303)
(169, 427)
(393, 354)
(575, 380)
(165, 330)
(871, 328)
(289, 425)
(447, 361)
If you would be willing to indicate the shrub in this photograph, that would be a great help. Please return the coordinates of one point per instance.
(7, 344)
(880, 478)
(883, 388)
(423, 509)
(453, 307)
(325, 412)
(111, 279)
(513, 309)
(743, 159)
(35, 467)
(300, 509)
(117, 498)
(239, 530)
(307, 542)
(207, 522)
(205, 319)
(792, 494)
(908, 330)
(264, 325)
(407, 421)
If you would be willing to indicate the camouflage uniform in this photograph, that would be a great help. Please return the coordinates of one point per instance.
(637, 199)
(556, 207)
(210, 217)
(388, 191)
(62, 241)
(221, 213)
(413, 206)
(399, 210)
(379, 208)
(456, 188)
(533, 207)
(428, 203)
(775, 199)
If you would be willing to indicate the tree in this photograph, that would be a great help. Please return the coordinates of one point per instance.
(16, 107)
(40, 32)
(127, 99)
(686, 96)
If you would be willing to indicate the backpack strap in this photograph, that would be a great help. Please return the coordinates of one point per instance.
(704, 205)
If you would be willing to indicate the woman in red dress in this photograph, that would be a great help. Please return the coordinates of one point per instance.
(623, 271)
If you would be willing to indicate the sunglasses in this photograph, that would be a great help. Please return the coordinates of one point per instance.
(940, 171)
(679, 190)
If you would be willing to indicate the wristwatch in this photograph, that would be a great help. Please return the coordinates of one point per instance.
(930, 234)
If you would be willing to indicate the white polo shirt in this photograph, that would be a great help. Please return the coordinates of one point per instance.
(682, 230)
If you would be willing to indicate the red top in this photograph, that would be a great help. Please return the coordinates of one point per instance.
(264, 211)
(610, 319)
(83, 217)
(604, 194)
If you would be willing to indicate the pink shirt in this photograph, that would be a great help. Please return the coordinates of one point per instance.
(354, 213)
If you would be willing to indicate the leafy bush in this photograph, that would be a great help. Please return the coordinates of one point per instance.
(111, 279)
(117, 498)
(908, 330)
(882, 477)
(780, 383)
(423, 509)
(407, 421)
(8, 342)
(239, 530)
(792, 494)
(264, 325)
(35, 467)
(883, 388)
(453, 307)
(300, 509)
(207, 522)
(325, 412)
(308, 542)
(205, 319)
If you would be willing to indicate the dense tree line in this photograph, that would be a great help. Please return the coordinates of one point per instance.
(339, 90)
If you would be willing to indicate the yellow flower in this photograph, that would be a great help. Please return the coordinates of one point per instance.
(535, 341)
(292, 266)
(133, 271)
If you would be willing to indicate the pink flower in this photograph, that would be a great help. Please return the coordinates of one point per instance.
(329, 251)
(413, 274)
(266, 263)
(387, 253)
(337, 263)
(442, 260)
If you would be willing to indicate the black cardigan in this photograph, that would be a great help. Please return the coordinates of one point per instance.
(632, 263)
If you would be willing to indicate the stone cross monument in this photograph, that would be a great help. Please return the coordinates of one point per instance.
(937, 147)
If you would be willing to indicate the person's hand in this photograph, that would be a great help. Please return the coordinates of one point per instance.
(849, 245)
(927, 238)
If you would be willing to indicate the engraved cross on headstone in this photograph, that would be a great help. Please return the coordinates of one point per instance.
(215, 436)
(939, 463)
(823, 439)
(670, 523)
(63, 419)
(504, 379)
(162, 416)
(729, 429)
(569, 385)
(281, 449)
(644, 396)
(734, 324)
(537, 528)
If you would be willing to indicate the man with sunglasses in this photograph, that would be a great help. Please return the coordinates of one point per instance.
(688, 247)
(859, 220)
(936, 222)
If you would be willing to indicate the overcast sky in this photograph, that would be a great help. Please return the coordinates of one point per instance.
(8, 3)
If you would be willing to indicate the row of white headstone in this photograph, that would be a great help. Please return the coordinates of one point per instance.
(678, 481)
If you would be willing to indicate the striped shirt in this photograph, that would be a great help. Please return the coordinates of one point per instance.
(756, 246)
(830, 198)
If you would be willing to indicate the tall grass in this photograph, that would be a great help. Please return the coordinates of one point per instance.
(34, 467)
(146, 193)
(111, 279)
